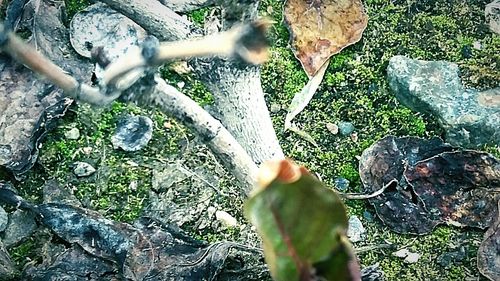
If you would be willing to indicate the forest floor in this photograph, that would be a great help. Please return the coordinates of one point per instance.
(355, 89)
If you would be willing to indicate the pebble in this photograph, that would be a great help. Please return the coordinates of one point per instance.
(346, 128)
(275, 108)
(133, 133)
(356, 230)
(332, 128)
(341, 183)
(408, 256)
(72, 134)
(83, 169)
(226, 218)
(21, 225)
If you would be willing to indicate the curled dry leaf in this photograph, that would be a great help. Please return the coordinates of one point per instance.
(460, 188)
(488, 255)
(398, 207)
(322, 28)
(435, 186)
(29, 106)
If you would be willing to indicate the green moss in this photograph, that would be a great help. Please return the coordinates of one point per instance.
(198, 16)
(75, 6)
(191, 87)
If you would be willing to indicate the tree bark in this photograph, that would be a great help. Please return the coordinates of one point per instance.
(238, 94)
(183, 6)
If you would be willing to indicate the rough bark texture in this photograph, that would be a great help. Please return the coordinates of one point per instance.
(241, 106)
(210, 130)
(186, 5)
(237, 91)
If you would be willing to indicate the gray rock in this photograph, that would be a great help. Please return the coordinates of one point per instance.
(341, 184)
(53, 192)
(452, 258)
(83, 169)
(21, 225)
(470, 118)
(492, 14)
(133, 133)
(4, 219)
(72, 134)
(346, 128)
(7, 269)
(356, 230)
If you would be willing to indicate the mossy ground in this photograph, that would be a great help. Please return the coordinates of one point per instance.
(354, 89)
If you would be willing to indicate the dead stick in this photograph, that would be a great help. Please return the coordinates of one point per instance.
(246, 42)
(358, 196)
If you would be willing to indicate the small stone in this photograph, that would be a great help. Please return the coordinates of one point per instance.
(356, 230)
(87, 150)
(412, 258)
(275, 108)
(4, 219)
(467, 52)
(354, 137)
(403, 253)
(21, 225)
(368, 216)
(332, 128)
(451, 258)
(346, 128)
(477, 45)
(167, 125)
(341, 183)
(133, 133)
(469, 117)
(226, 218)
(133, 186)
(181, 84)
(211, 211)
(72, 134)
(83, 169)
(408, 256)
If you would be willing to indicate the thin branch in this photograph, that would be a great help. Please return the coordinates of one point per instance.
(27, 55)
(246, 42)
(164, 96)
(358, 196)
(214, 135)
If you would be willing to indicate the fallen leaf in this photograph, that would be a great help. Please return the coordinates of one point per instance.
(302, 99)
(460, 188)
(30, 106)
(148, 250)
(398, 207)
(488, 255)
(302, 224)
(436, 185)
(322, 28)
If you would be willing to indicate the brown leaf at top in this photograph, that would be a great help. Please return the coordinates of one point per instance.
(488, 255)
(322, 28)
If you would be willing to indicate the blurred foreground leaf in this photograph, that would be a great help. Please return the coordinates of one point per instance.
(302, 224)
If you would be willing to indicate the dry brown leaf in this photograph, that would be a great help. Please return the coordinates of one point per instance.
(322, 28)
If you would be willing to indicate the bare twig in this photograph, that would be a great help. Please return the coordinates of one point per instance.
(358, 196)
(25, 54)
(166, 97)
(246, 42)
